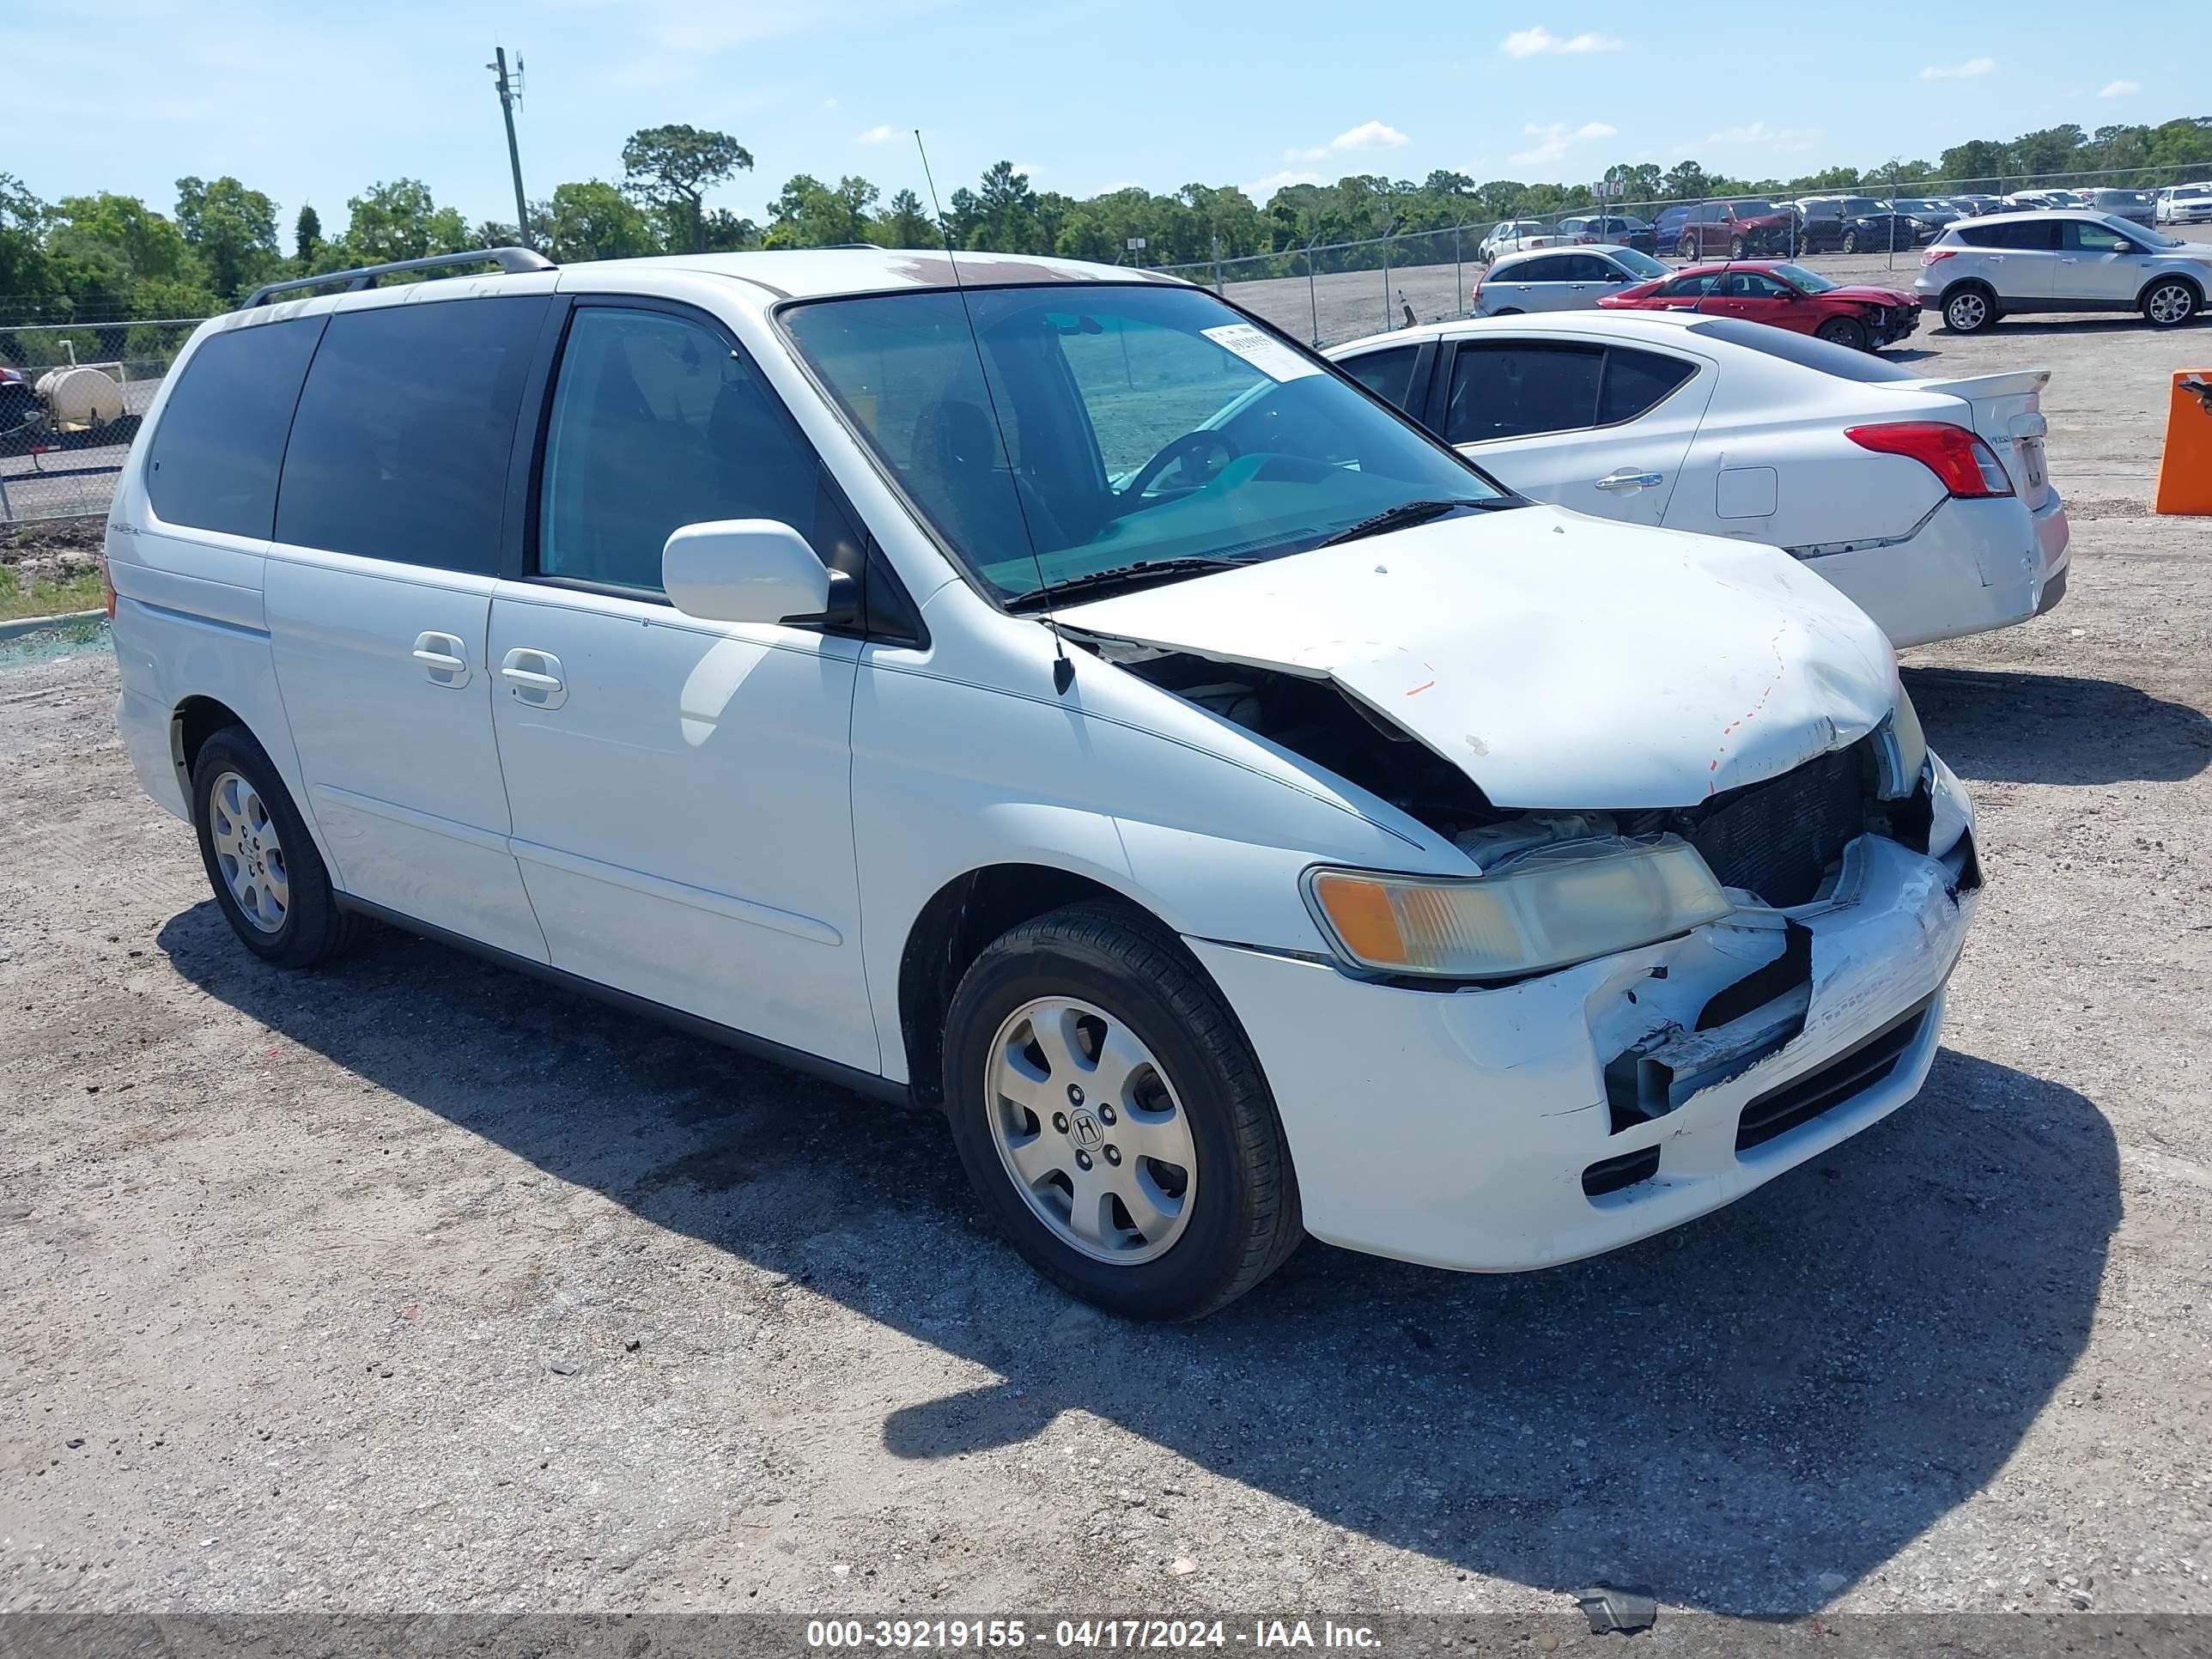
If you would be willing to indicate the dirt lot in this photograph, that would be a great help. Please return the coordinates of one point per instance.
(414, 1285)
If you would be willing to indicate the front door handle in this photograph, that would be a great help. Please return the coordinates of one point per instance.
(444, 659)
(1622, 482)
(534, 677)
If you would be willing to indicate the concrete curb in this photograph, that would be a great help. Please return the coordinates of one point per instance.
(15, 630)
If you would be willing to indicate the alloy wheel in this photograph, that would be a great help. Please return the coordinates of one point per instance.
(1966, 313)
(249, 853)
(1091, 1130)
(2170, 303)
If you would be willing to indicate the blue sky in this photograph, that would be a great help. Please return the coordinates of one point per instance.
(312, 101)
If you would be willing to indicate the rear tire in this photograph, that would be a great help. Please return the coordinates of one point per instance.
(1153, 1058)
(2170, 303)
(1969, 310)
(1844, 331)
(268, 878)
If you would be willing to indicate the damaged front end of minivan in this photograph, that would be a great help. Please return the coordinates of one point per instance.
(1644, 996)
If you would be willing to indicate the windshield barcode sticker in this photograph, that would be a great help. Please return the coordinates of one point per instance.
(1263, 352)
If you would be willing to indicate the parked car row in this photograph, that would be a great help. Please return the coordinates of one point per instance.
(1127, 780)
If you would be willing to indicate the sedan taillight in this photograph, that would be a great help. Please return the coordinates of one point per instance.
(1967, 466)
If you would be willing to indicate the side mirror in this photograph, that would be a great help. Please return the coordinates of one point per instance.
(751, 570)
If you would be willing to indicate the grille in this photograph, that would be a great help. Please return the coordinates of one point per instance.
(1802, 1099)
(1777, 839)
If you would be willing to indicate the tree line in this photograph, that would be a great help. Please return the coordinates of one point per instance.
(112, 258)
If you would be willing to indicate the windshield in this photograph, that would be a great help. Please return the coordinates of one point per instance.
(1752, 208)
(1121, 425)
(2189, 193)
(1811, 281)
(1642, 265)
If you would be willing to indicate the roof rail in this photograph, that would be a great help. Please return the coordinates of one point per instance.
(512, 260)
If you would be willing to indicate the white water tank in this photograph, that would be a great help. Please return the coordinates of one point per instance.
(76, 399)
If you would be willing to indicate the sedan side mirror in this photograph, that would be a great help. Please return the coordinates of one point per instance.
(753, 570)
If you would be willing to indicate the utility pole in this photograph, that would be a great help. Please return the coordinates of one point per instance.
(510, 95)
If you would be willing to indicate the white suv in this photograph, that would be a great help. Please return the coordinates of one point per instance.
(1058, 701)
(1981, 270)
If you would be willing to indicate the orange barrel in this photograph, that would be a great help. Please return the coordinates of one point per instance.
(2185, 474)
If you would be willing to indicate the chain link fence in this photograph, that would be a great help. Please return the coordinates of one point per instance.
(63, 434)
(1330, 293)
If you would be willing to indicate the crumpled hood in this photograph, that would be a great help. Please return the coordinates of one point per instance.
(1559, 661)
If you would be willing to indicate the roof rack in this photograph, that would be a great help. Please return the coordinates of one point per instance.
(512, 260)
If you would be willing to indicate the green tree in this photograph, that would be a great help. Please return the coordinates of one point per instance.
(903, 224)
(1978, 164)
(400, 221)
(807, 213)
(307, 236)
(593, 220)
(232, 228)
(1004, 216)
(721, 231)
(26, 277)
(147, 244)
(676, 165)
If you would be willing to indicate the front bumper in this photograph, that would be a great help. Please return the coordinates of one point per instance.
(1457, 1128)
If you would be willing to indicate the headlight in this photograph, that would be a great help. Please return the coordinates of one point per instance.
(1561, 904)
(1911, 741)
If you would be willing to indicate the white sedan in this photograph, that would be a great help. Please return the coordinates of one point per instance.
(1926, 500)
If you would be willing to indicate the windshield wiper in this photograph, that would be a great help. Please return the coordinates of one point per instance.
(1093, 583)
(1411, 512)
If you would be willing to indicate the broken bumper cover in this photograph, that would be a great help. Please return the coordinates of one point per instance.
(1459, 1128)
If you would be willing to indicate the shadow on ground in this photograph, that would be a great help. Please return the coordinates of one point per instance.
(2057, 728)
(1741, 1414)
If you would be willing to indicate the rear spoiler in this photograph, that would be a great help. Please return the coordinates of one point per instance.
(2014, 383)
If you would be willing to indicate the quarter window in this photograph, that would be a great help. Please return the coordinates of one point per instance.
(400, 447)
(1636, 382)
(220, 442)
(657, 422)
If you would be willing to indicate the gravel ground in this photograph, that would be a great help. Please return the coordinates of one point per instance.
(412, 1284)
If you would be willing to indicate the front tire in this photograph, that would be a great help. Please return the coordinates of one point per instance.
(1736, 247)
(1844, 331)
(1113, 1117)
(1686, 249)
(268, 878)
(1850, 241)
(2169, 304)
(1969, 310)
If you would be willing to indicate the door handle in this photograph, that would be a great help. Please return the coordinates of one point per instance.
(1622, 482)
(444, 659)
(534, 677)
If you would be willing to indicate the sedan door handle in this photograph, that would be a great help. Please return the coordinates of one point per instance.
(1624, 481)
(534, 677)
(444, 659)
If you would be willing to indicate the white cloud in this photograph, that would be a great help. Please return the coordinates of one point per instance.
(882, 135)
(1554, 140)
(1968, 70)
(1261, 189)
(2121, 89)
(1368, 135)
(1531, 43)
(1760, 134)
(829, 103)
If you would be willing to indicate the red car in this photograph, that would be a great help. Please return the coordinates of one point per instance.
(1786, 295)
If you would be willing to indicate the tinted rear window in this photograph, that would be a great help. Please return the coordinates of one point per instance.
(400, 450)
(215, 455)
(1803, 350)
(1635, 381)
(1387, 373)
(2025, 233)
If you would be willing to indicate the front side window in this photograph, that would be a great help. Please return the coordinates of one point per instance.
(215, 457)
(1804, 281)
(657, 422)
(1521, 390)
(400, 447)
(2083, 237)
(1387, 373)
(1753, 285)
(1120, 424)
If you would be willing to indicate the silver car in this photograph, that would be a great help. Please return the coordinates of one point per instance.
(1980, 269)
(1560, 279)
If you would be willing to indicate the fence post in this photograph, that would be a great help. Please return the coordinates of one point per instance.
(1459, 278)
(7, 513)
(1892, 216)
(1313, 297)
(1217, 265)
(1386, 280)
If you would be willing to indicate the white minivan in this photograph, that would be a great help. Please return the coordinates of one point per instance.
(1239, 831)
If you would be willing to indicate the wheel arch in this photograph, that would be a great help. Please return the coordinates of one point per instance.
(2187, 279)
(192, 723)
(951, 931)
